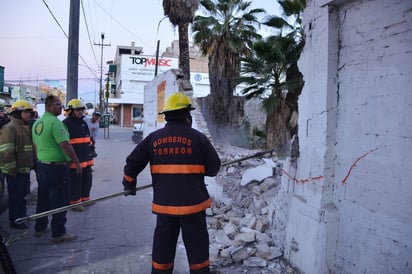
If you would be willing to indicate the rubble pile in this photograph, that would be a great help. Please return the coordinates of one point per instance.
(243, 224)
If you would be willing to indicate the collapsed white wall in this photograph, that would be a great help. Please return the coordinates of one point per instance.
(350, 207)
(155, 93)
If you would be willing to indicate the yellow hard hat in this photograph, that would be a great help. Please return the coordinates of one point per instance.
(74, 104)
(21, 105)
(177, 101)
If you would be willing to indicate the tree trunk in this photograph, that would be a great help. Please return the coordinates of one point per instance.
(277, 130)
(184, 62)
(221, 77)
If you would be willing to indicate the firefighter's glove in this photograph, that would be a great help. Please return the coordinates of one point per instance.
(129, 187)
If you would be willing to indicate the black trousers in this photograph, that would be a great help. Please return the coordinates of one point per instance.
(195, 238)
(80, 185)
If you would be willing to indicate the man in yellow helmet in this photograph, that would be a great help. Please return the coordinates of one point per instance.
(179, 157)
(17, 159)
(82, 144)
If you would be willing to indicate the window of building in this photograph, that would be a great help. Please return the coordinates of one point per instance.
(138, 113)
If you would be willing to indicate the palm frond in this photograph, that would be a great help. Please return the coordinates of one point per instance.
(276, 22)
(271, 104)
(292, 7)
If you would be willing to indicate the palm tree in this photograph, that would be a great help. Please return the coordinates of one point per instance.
(271, 72)
(265, 73)
(180, 13)
(224, 35)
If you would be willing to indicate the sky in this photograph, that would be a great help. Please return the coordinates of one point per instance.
(33, 37)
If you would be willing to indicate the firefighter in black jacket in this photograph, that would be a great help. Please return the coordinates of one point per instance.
(179, 158)
(80, 184)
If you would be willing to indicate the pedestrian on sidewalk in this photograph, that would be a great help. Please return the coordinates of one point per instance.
(179, 157)
(93, 124)
(54, 152)
(17, 159)
(81, 184)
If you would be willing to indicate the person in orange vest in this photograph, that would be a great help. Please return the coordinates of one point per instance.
(179, 157)
(80, 139)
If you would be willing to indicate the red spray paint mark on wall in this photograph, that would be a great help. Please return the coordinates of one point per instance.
(301, 181)
(320, 177)
(356, 161)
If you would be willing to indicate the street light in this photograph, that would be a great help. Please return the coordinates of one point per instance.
(157, 47)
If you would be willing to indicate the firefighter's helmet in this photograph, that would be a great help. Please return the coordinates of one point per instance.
(177, 101)
(74, 104)
(21, 105)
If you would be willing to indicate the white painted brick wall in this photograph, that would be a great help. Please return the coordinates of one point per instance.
(351, 211)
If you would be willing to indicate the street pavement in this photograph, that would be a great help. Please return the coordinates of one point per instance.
(114, 235)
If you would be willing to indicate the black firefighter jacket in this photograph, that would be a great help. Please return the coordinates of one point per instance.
(179, 158)
(80, 140)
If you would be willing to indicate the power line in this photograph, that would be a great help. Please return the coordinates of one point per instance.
(48, 79)
(114, 19)
(55, 19)
(88, 32)
(67, 37)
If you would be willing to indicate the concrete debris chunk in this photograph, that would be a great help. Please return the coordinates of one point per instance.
(247, 237)
(256, 174)
(247, 220)
(255, 261)
(241, 253)
(230, 229)
(263, 250)
(221, 238)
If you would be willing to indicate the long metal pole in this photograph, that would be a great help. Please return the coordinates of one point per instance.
(257, 154)
(65, 208)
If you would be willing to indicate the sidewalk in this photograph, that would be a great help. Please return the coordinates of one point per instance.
(114, 236)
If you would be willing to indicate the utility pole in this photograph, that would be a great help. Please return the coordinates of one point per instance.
(101, 94)
(73, 51)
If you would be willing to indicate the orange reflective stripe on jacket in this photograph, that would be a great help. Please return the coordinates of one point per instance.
(82, 164)
(177, 169)
(129, 179)
(180, 210)
(80, 140)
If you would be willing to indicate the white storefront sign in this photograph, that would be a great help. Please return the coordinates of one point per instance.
(142, 68)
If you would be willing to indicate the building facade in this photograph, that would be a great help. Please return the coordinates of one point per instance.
(350, 192)
(131, 70)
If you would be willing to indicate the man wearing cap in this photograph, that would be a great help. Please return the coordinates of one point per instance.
(17, 159)
(179, 157)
